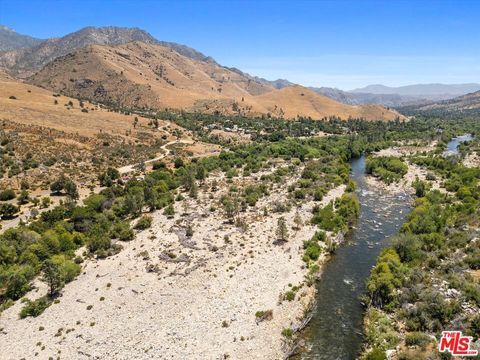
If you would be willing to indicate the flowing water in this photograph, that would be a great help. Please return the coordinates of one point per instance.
(452, 146)
(335, 331)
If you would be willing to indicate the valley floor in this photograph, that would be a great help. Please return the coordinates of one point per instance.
(167, 296)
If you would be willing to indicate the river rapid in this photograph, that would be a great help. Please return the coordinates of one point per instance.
(336, 328)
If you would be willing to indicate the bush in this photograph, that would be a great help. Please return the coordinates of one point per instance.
(17, 280)
(289, 295)
(263, 315)
(312, 248)
(169, 211)
(8, 210)
(99, 242)
(417, 339)
(376, 354)
(159, 165)
(144, 222)
(69, 270)
(123, 232)
(35, 308)
(7, 194)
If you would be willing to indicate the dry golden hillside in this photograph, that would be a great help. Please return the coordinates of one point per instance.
(298, 100)
(45, 134)
(30, 105)
(153, 76)
(145, 75)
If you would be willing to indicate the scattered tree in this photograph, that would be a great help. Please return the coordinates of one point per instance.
(282, 231)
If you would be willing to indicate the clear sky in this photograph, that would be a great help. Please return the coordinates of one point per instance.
(344, 44)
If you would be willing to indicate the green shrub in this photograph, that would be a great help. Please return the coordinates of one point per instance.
(169, 211)
(35, 308)
(122, 231)
(7, 194)
(376, 354)
(289, 295)
(144, 222)
(417, 339)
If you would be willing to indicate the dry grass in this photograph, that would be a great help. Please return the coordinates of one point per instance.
(138, 74)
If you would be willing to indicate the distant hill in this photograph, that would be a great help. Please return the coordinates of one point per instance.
(427, 91)
(398, 97)
(468, 104)
(147, 74)
(24, 62)
(128, 67)
(390, 100)
(11, 40)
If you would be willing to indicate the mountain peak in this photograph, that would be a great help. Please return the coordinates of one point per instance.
(10, 39)
(25, 59)
(6, 28)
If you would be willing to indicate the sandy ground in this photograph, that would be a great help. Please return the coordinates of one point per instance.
(414, 171)
(166, 296)
(472, 160)
(405, 184)
(405, 150)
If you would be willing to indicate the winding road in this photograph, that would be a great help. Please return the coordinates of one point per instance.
(9, 223)
(129, 168)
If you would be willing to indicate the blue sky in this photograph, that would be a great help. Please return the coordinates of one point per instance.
(344, 44)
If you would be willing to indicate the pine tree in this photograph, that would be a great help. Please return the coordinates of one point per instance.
(282, 231)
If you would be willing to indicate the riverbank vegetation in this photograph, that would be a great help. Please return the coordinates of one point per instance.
(427, 281)
(53, 246)
(389, 169)
(62, 236)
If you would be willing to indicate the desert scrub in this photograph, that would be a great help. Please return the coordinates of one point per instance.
(169, 211)
(144, 222)
(35, 308)
(122, 231)
(7, 194)
(263, 315)
(290, 294)
(417, 339)
(287, 332)
(189, 231)
(375, 354)
(5, 305)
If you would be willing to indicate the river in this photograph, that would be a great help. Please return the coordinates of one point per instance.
(336, 329)
(452, 146)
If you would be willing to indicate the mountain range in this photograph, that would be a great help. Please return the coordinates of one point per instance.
(431, 91)
(10, 39)
(411, 95)
(130, 68)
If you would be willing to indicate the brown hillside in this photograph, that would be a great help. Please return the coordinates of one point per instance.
(148, 75)
(298, 100)
(34, 106)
